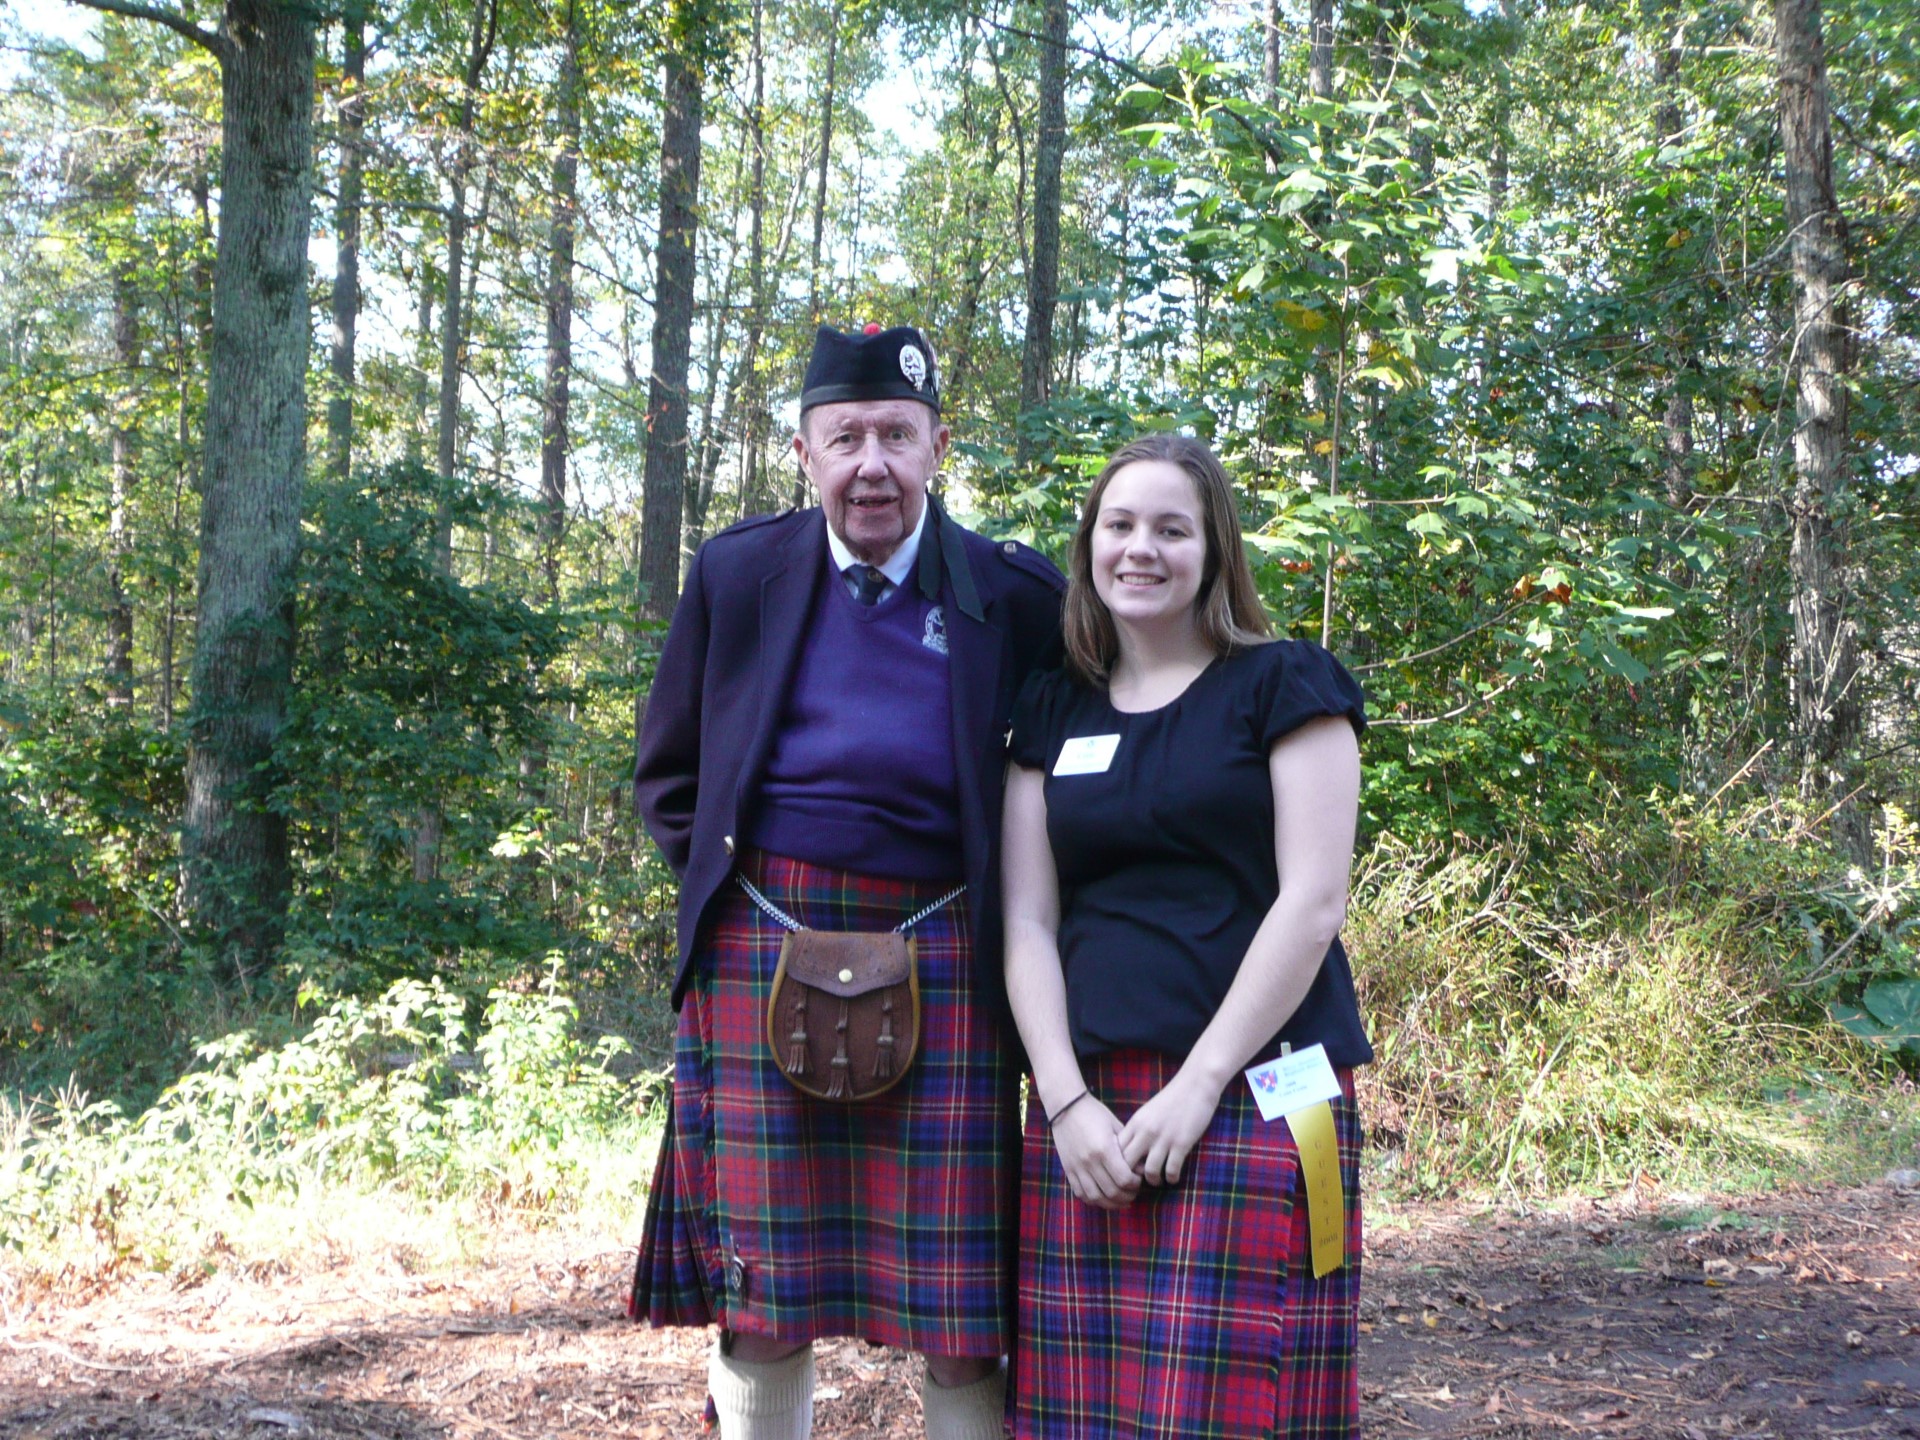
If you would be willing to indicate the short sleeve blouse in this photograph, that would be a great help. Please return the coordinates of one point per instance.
(1165, 854)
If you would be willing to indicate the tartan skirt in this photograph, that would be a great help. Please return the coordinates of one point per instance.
(776, 1214)
(1194, 1311)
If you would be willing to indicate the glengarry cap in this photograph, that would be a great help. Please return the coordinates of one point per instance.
(874, 364)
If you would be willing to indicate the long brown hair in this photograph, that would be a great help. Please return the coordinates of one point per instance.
(1228, 606)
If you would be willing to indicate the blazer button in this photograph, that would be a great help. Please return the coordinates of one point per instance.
(1011, 548)
(727, 840)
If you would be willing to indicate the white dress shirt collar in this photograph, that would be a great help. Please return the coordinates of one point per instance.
(898, 566)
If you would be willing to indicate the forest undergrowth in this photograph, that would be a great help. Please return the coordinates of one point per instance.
(1639, 1007)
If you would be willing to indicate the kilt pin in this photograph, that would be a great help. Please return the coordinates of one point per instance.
(776, 1214)
(1194, 1311)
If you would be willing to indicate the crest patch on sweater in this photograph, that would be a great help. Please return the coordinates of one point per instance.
(935, 637)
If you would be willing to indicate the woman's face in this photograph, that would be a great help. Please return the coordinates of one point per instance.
(1149, 552)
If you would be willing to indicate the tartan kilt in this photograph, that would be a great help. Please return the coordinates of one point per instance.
(1194, 1311)
(776, 1214)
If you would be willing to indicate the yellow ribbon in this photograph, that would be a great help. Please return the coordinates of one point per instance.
(1319, 1147)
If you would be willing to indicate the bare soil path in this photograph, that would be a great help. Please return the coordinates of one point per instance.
(1794, 1315)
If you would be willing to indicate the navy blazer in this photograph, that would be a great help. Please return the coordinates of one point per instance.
(728, 663)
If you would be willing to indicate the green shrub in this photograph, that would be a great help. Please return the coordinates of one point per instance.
(1641, 1001)
(398, 1095)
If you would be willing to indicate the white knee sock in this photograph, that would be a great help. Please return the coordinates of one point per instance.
(965, 1412)
(762, 1401)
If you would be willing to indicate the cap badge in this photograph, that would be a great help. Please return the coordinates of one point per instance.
(913, 365)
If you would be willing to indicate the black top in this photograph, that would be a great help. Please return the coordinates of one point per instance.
(1165, 857)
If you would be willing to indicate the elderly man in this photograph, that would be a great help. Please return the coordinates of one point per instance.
(823, 748)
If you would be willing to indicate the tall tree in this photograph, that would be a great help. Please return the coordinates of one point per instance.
(1043, 266)
(665, 466)
(826, 161)
(1676, 421)
(233, 843)
(119, 667)
(557, 404)
(346, 235)
(1825, 657)
(482, 31)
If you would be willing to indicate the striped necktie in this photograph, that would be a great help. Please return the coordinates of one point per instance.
(868, 583)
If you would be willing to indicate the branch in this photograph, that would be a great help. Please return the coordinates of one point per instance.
(1453, 714)
(1443, 645)
(208, 40)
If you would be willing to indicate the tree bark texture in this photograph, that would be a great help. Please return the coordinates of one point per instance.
(664, 467)
(346, 233)
(1825, 658)
(233, 843)
(1043, 268)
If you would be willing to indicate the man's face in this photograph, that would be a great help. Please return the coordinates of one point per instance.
(871, 461)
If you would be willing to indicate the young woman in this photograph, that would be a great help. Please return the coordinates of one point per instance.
(1179, 824)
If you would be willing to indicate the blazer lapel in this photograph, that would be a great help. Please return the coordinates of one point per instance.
(786, 600)
(973, 661)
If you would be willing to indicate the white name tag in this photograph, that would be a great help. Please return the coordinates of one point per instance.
(1293, 1082)
(1086, 755)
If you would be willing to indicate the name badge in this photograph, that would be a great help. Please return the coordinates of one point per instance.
(1293, 1082)
(1086, 755)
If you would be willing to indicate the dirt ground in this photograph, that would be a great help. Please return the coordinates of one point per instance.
(1797, 1315)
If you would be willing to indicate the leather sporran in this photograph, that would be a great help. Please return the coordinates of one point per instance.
(843, 1022)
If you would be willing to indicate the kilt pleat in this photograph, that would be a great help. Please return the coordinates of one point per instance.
(1193, 1312)
(779, 1215)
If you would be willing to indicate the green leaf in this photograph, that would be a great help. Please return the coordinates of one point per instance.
(1443, 267)
(1896, 1004)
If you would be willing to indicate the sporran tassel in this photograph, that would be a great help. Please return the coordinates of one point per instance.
(837, 1089)
(883, 1056)
(797, 1041)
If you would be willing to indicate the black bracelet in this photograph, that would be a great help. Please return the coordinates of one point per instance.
(1054, 1119)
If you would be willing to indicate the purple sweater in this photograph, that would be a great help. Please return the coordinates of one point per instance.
(861, 776)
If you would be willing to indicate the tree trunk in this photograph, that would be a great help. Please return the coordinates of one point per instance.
(556, 407)
(346, 229)
(430, 825)
(1270, 70)
(119, 663)
(1320, 50)
(826, 160)
(1825, 659)
(233, 840)
(453, 305)
(1043, 269)
(754, 395)
(556, 413)
(665, 463)
(1676, 423)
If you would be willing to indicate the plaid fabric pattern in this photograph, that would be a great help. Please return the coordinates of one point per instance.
(779, 1215)
(1193, 1312)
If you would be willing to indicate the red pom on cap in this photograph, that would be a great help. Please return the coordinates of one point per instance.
(872, 328)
